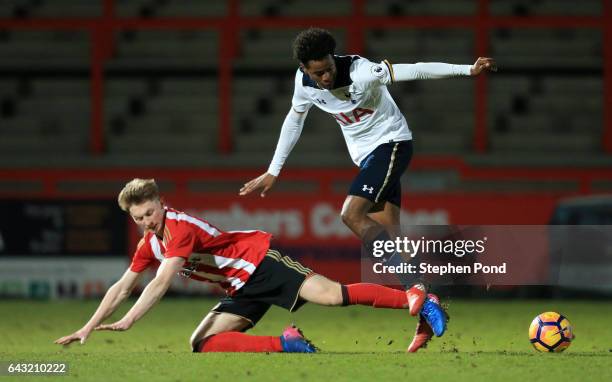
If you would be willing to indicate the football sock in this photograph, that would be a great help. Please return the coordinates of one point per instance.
(374, 295)
(392, 259)
(239, 342)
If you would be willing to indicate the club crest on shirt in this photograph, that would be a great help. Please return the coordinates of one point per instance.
(344, 95)
(377, 70)
(347, 94)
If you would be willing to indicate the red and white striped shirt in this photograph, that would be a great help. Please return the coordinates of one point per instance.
(227, 258)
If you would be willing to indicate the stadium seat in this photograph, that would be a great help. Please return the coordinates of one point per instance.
(546, 7)
(163, 82)
(405, 8)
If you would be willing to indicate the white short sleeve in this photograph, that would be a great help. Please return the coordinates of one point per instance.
(368, 72)
(300, 101)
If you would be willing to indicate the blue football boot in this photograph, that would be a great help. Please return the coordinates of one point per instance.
(434, 314)
(293, 341)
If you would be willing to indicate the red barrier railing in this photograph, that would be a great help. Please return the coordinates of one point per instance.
(324, 179)
(102, 29)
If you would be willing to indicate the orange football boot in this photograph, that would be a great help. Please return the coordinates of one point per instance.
(416, 297)
(421, 337)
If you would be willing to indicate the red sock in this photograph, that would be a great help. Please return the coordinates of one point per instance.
(374, 295)
(240, 342)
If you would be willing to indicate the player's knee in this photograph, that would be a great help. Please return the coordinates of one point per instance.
(195, 345)
(195, 342)
(350, 217)
(197, 339)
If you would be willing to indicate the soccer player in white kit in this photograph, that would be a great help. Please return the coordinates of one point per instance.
(354, 91)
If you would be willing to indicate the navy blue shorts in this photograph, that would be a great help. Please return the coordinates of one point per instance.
(380, 172)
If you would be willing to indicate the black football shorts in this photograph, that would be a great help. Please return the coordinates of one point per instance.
(276, 281)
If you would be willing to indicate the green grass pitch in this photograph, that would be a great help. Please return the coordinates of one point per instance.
(486, 341)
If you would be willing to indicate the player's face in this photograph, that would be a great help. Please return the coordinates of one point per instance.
(323, 71)
(149, 216)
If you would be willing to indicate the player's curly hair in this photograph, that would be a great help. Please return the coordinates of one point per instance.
(313, 44)
(138, 191)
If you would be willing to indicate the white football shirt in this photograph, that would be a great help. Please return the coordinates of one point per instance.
(360, 103)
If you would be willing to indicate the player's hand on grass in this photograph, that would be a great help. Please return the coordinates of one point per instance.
(482, 64)
(80, 335)
(265, 181)
(119, 326)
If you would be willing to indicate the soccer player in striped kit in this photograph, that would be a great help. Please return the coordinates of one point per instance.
(242, 262)
(354, 91)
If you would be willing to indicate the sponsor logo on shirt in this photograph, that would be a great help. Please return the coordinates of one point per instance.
(357, 115)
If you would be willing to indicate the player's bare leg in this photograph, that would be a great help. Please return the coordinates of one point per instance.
(323, 291)
(354, 214)
(383, 221)
(388, 215)
(368, 220)
(215, 323)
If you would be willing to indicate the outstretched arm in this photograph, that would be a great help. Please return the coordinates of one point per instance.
(154, 291)
(115, 295)
(290, 133)
(436, 70)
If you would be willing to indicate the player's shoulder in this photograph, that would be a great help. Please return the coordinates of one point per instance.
(355, 63)
(179, 224)
(174, 214)
(346, 61)
(144, 246)
(178, 218)
(182, 222)
(366, 71)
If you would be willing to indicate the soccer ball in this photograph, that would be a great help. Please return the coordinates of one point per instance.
(550, 332)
